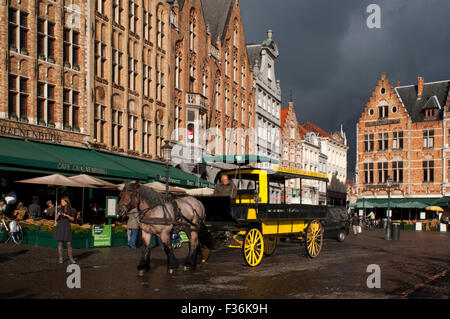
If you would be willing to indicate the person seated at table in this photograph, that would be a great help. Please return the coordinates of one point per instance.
(34, 209)
(49, 212)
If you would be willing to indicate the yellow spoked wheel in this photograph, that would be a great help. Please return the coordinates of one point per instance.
(253, 247)
(270, 244)
(206, 252)
(314, 238)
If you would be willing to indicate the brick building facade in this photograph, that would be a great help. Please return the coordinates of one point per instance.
(130, 55)
(291, 149)
(122, 76)
(403, 134)
(44, 70)
(212, 80)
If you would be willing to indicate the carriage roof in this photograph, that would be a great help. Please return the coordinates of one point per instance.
(279, 173)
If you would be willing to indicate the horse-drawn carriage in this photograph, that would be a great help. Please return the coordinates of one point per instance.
(255, 220)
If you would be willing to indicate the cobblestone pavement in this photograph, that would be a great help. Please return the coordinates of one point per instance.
(417, 266)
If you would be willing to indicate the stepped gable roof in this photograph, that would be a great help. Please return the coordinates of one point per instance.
(434, 95)
(217, 15)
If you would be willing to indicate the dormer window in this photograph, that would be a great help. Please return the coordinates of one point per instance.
(431, 108)
(430, 114)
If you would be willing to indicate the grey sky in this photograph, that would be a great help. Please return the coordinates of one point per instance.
(332, 60)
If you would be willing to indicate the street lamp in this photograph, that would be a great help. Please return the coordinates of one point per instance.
(167, 156)
(388, 236)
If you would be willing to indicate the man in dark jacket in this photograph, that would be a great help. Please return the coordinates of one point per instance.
(225, 188)
(35, 209)
(355, 223)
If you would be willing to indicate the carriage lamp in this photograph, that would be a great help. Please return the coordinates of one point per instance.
(167, 156)
(387, 236)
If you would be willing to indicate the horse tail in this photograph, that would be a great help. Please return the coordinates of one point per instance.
(206, 238)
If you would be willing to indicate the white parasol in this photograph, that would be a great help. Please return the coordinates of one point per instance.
(201, 192)
(53, 180)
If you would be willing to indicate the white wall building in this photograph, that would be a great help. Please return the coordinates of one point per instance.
(262, 59)
(313, 160)
(335, 147)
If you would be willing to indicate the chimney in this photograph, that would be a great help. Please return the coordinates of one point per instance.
(420, 88)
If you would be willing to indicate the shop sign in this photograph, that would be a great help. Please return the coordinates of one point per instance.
(82, 168)
(102, 235)
(28, 131)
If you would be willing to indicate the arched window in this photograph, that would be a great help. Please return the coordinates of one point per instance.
(192, 34)
(160, 25)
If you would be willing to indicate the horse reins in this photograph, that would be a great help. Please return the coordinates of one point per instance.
(162, 221)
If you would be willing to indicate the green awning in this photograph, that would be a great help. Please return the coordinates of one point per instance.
(36, 157)
(443, 202)
(182, 178)
(419, 203)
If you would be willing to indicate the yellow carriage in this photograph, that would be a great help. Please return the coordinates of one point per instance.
(256, 219)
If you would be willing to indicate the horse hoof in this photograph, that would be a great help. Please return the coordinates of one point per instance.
(171, 271)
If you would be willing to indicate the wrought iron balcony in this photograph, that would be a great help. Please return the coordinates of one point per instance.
(198, 101)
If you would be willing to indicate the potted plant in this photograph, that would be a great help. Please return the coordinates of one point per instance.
(51, 59)
(76, 129)
(41, 122)
(13, 48)
(51, 124)
(24, 119)
(119, 236)
(67, 64)
(13, 117)
(23, 51)
(67, 127)
(76, 67)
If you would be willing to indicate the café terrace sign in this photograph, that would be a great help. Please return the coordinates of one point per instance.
(30, 132)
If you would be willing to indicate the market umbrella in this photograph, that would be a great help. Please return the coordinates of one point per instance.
(201, 192)
(53, 180)
(90, 182)
(435, 208)
(161, 188)
(86, 179)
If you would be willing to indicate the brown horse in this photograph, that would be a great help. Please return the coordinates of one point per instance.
(162, 216)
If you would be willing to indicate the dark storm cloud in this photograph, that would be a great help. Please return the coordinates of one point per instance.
(332, 60)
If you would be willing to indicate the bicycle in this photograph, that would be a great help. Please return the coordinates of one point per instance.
(14, 231)
(369, 224)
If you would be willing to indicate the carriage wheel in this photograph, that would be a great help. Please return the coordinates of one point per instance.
(253, 247)
(206, 252)
(314, 238)
(270, 244)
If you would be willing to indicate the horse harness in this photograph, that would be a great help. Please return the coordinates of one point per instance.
(180, 219)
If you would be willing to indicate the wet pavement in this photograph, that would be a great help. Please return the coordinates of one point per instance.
(417, 266)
